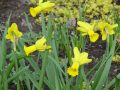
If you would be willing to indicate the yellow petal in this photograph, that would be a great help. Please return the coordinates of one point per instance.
(102, 25)
(110, 28)
(114, 25)
(83, 30)
(76, 53)
(10, 35)
(104, 35)
(84, 25)
(85, 61)
(41, 44)
(111, 31)
(14, 27)
(83, 55)
(47, 6)
(29, 49)
(84, 58)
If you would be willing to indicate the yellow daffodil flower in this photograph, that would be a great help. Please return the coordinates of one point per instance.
(106, 29)
(42, 7)
(40, 45)
(13, 33)
(78, 60)
(88, 29)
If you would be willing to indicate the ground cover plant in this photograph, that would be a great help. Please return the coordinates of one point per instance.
(57, 56)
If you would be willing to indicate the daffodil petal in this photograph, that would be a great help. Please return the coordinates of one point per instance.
(81, 29)
(111, 31)
(76, 53)
(85, 61)
(114, 25)
(104, 35)
(84, 25)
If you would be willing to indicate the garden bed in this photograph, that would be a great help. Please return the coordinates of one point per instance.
(18, 8)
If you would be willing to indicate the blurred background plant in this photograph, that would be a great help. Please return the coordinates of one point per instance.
(66, 10)
(101, 9)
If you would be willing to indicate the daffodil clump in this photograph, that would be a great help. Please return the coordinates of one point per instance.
(78, 60)
(90, 29)
(14, 34)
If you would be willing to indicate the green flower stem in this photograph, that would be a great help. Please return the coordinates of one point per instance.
(42, 71)
(14, 46)
(5, 82)
(107, 45)
(84, 77)
(14, 62)
(11, 65)
(14, 43)
(16, 65)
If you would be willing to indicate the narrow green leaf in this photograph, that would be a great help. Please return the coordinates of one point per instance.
(18, 73)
